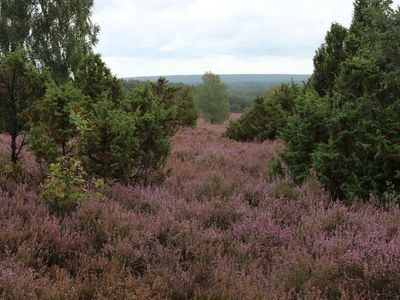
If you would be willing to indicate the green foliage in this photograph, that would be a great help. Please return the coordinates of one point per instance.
(65, 187)
(54, 33)
(305, 130)
(128, 142)
(179, 97)
(263, 120)
(242, 95)
(362, 153)
(15, 24)
(94, 79)
(187, 113)
(212, 99)
(52, 131)
(350, 138)
(259, 123)
(108, 142)
(21, 85)
(153, 131)
(63, 32)
(327, 60)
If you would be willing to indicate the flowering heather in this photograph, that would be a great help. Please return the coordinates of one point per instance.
(218, 228)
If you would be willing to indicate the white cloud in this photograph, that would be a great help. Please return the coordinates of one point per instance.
(131, 66)
(159, 37)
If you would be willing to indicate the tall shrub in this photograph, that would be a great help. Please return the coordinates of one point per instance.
(359, 124)
(21, 84)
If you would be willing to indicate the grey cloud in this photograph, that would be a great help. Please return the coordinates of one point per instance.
(202, 29)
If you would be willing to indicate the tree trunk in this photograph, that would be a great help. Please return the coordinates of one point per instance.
(14, 155)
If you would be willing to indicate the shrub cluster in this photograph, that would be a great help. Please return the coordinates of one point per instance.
(117, 134)
(109, 132)
(344, 123)
(267, 115)
(349, 136)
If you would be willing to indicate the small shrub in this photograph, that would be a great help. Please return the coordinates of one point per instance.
(284, 190)
(276, 170)
(65, 187)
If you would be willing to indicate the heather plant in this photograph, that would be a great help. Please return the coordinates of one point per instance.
(270, 238)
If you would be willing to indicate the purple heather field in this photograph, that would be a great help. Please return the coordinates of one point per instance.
(217, 228)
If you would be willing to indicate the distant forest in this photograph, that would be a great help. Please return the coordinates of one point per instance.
(242, 89)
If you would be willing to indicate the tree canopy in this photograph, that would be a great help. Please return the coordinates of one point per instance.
(212, 99)
(55, 34)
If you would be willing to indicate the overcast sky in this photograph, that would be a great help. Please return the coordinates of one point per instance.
(180, 37)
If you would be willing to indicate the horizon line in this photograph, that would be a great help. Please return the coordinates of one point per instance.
(222, 74)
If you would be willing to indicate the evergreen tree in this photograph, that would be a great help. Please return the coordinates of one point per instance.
(305, 130)
(353, 142)
(52, 130)
(108, 141)
(187, 114)
(94, 79)
(179, 97)
(364, 140)
(153, 129)
(22, 84)
(328, 59)
(212, 99)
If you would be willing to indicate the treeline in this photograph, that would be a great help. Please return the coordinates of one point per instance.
(344, 123)
(60, 100)
(209, 99)
(241, 95)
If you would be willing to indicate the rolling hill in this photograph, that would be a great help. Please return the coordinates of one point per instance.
(230, 78)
